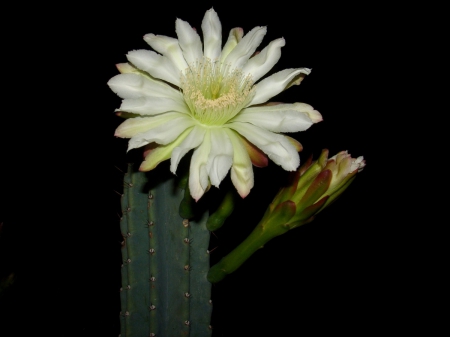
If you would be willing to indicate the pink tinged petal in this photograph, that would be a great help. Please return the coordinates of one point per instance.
(198, 174)
(258, 158)
(242, 170)
(137, 85)
(276, 83)
(193, 140)
(212, 35)
(156, 65)
(161, 153)
(281, 117)
(276, 146)
(149, 148)
(295, 143)
(234, 37)
(260, 64)
(189, 41)
(169, 47)
(220, 157)
(133, 126)
(162, 134)
(239, 56)
(153, 105)
(126, 68)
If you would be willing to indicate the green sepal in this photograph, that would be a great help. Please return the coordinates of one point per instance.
(307, 213)
(278, 218)
(309, 174)
(287, 192)
(317, 188)
(305, 166)
(226, 207)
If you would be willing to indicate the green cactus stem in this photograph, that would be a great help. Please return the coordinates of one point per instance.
(165, 291)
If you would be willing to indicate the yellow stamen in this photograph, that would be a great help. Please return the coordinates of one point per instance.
(214, 92)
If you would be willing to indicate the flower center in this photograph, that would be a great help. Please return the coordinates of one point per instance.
(214, 92)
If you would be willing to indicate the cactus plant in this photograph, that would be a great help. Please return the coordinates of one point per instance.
(165, 260)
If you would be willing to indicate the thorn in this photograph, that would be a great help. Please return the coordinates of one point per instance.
(187, 295)
(128, 184)
(214, 235)
(186, 240)
(151, 251)
(187, 267)
(150, 196)
(119, 169)
(152, 279)
(210, 251)
(210, 301)
(152, 334)
(118, 193)
(152, 307)
(119, 216)
(186, 223)
(210, 327)
(187, 323)
(128, 287)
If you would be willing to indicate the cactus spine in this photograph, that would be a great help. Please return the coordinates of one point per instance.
(164, 291)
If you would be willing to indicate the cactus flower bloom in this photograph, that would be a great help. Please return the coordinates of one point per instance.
(193, 95)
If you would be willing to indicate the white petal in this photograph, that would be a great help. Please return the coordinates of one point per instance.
(198, 175)
(260, 64)
(234, 37)
(194, 139)
(212, 35)
(246, 47)
(189, 41)
(276, 83)
(136, 85)
(281, 117)
(161, 153)
(133, 126)
(276, 146)
(242, 170)
(162, 134)
(169, 47)
(156, 65)
(220, 157)
(153, 105)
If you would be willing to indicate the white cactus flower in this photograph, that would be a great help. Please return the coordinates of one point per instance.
(212, 100)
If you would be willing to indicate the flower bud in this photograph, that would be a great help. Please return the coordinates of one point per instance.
(317, 184)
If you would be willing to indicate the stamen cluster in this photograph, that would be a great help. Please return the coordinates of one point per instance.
(214, 92)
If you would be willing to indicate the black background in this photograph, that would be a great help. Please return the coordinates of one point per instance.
(61, 166)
